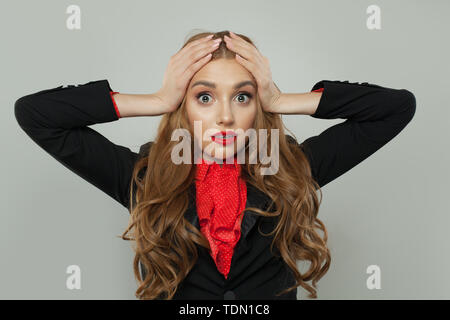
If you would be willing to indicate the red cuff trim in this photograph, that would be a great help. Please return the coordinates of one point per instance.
(317, 90)
(111, 93)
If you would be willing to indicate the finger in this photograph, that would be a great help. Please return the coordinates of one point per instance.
(187, 58)
(204, 49)
(244, 48)
(238, 40)
(240, 49)
(197, 53)
(193, 68)
(250, 66)
(194, 43)
(235, 36)
(198, 41)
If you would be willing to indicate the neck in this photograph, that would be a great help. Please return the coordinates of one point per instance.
(208, 160)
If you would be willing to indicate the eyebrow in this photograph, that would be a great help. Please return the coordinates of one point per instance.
(213, 85)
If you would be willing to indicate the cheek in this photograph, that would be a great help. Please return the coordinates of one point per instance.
(247, 118)
(204, 119)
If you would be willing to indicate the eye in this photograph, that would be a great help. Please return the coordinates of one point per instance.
(201, 94)
(246, 94)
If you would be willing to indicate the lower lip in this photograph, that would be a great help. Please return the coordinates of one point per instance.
(223, 141)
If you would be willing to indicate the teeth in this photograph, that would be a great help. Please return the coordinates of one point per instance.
(225, 137)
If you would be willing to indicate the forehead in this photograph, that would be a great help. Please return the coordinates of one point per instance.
(223, 72)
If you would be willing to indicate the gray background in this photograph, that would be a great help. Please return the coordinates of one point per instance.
(391, 210)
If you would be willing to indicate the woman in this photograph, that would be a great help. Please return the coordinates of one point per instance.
(207, 229)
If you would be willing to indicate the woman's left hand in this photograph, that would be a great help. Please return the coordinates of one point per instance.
(250, 57)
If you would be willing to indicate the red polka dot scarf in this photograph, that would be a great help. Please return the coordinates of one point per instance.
(221, 195)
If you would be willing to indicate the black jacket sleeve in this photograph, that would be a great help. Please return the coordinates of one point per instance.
(57, 120)
(374, 115)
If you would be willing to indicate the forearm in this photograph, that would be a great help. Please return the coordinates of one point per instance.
(373, 115)
(136, 105)
(297, 103)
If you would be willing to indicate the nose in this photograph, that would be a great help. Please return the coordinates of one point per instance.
(225, 116)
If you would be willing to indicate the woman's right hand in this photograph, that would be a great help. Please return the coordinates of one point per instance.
(182, 66)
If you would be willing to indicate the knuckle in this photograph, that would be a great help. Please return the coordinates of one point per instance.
(192, 67)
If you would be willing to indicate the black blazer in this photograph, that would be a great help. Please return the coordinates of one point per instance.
(58, 120)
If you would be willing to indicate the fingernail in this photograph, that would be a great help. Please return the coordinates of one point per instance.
(210, 36)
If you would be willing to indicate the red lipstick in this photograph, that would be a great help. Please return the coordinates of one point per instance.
(224, 137)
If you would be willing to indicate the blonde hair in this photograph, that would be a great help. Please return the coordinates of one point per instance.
(166, 241)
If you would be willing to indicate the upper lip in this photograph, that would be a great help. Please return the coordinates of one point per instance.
(224, 133)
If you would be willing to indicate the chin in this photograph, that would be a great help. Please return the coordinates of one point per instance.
(221, 155)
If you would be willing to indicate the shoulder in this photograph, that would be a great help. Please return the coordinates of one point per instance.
(143, 152)
(290, 139)
(144, 149)
(293, 141)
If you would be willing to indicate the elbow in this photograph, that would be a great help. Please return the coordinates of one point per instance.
(21, 111)
(408, 104)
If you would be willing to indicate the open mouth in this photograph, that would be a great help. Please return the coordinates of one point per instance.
(224, 137)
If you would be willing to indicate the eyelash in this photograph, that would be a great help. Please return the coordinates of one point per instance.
(249, 96)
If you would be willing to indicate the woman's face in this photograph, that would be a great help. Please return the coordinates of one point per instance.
(222, 97)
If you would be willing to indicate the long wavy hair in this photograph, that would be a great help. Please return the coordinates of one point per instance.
(165, 242)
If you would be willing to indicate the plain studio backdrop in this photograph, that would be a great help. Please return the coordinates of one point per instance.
(391, 210)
